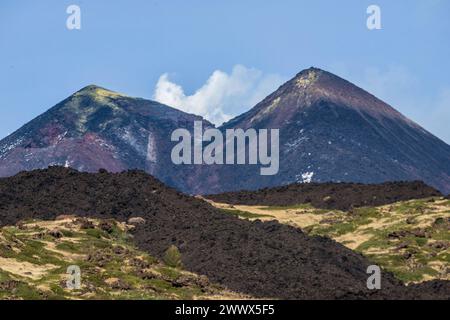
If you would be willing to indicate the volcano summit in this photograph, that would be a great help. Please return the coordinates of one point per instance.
(329, 130)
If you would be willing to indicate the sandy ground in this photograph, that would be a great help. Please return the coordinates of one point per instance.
(25, 269)
(298, 218)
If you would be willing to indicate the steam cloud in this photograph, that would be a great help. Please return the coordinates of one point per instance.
(223, 96)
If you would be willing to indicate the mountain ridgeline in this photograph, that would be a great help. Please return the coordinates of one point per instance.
(96, 128)
(330, 130)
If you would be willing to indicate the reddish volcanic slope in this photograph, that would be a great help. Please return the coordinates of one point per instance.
(97, 128)
(330, 130)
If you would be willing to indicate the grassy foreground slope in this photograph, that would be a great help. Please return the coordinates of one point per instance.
(35, 254)
(409, 238)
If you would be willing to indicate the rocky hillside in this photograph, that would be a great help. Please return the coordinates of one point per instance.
(341, 196)
(331, 130)
(261, 259)
(35, 255)
(409, 238)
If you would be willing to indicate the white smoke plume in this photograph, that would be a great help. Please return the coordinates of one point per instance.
(223, 96)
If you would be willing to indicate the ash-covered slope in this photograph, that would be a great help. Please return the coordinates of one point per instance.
(97, 128)
(263, 259)
(331, 130)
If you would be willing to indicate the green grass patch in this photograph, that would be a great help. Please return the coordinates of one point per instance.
(95, 233)
(421, 241)
(411, 207)
(68, 247)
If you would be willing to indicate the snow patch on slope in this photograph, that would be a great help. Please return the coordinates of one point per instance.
(305, 177)
(8, 147)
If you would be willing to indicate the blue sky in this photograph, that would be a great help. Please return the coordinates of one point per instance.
(200, 49)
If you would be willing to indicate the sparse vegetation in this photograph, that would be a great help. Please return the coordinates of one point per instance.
(33, 265)
(409, 238)
(172, 257)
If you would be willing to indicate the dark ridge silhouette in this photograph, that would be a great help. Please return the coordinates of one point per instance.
(341, 196)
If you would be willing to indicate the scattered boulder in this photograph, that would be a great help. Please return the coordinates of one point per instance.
(107, 226)
(9, 285)
(21, 225)
(119, 250)
(118, 284)
(440, 245)
(84, 223)
(39, 235)
(202, 281)
(398, 234)
(402, 245)
(136, 220)
(187, 280)
(407, 255)
(100, 258)
(139, 263)
(55, 233)
(410, 220)
(420, 233)
(147, 274)
(328, 200)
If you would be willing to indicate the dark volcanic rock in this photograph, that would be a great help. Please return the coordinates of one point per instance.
(333, 131)
(342, 196)
(264, 259)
